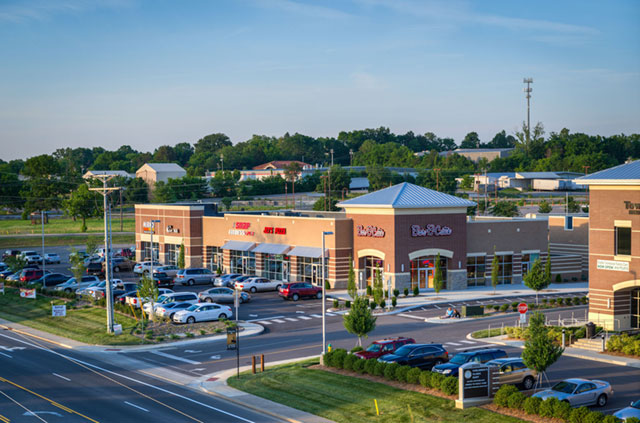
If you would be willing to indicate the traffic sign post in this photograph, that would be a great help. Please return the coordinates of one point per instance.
(522, 309)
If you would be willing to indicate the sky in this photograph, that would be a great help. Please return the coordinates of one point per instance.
(82, 73)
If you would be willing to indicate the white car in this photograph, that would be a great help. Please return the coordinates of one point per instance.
(143, 266)
(258, 284)
(136, 301)
(169, 269)
(31, 257)
(51, 258)
(73, 285)
(171, 297)
(169, 309)
(202, 312)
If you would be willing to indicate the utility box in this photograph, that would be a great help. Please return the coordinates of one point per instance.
(468, 311)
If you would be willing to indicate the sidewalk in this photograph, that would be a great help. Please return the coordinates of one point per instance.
(216, 385)
(429, 297)
(569, 352)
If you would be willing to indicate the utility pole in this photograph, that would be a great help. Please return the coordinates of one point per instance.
(44, 262)
(324, 304)
(222, 161)
(105, 190)
(528, 90)
(121, 230)
(351, 157)
(153, 229)
(437, 170)
(331, 151)
(485, 191)
(586, 169)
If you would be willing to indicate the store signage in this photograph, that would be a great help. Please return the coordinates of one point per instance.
(171, 229)
(430, 230)
(58, 310)
(148, 228)
(618, 266)
(475, 380)
(273, 230)
(634, 208)
(370, 231)
(240, 228)
(27, 293)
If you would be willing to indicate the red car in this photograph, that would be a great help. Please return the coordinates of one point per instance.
(383, 347)
(295, 291)
(29, 275)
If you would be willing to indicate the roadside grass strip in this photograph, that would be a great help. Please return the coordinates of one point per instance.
(60, 240)
(63, 226)
(348, 399)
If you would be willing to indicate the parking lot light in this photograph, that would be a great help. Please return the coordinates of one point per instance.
(324, 319)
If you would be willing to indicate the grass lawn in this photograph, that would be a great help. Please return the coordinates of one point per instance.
(349, 399)
(54, 241)
(484, 333)
(64, 226)
(85, 325)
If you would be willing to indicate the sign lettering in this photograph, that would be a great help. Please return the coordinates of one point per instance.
(241, 225)
(171, 229)
(618, 266)
(634, 208)
(475, 381)
(370, 231)
(430, 230)
(58, 310)
(240, 228)
(27, 293)
(276, 231)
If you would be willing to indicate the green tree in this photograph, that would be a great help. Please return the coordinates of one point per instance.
(136, 191)
(505, 208)
(540, 350)
(188, 188)
(495, 270)
(352, 289)
(148, 291)
(535, 278)
(572, 205)
(92, 244)
(471, 140)
(77, 265)
(378, 291)
(42, 190)
(181, 257)
(437, 278)
(163, 193)
(15, 263)
(291, 172)
(227, 202)
(467, 182)
(359, 321)
(547, 267)
(379, 177)
(544, 207)
(82, 203)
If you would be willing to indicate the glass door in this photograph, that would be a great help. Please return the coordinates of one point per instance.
(422, 278)
(635, 309)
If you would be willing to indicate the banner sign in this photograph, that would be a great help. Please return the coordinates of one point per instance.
(430, 230)
(27, 293)
(58, 310)
(619, 266)
(370, 231)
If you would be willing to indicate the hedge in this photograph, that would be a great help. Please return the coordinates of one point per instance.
(629, 345)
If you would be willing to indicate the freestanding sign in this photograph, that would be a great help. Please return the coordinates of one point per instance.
(522, 309)
(474, 385)
(58, 310)
(27, 293)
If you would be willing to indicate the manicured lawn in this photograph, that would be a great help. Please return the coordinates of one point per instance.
(484, 333)
(64, 226)
(85, 325)
(54, 241)
(349, 399)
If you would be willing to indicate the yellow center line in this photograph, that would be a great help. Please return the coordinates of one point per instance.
(62, 407)
(4, 419)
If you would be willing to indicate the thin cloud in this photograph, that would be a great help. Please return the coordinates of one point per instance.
(39, 10)
(305, 9)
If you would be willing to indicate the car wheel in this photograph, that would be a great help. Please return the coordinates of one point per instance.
(191, 319)
(116, 269)
(278, 288)
(253, 290)
(527, 383)
(602, 400)
(68, 291)
(208, 300)
(171, 316)
(295, 297)
(319, 295)
(438, 362)
(190, 282)
(222, 316)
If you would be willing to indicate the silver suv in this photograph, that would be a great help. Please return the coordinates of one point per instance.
(514, 372)
(194, 276)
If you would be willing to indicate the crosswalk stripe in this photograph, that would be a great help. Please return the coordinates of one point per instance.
(436, 307)
(290, 319)
(467, 342)
(304, 317)
(471, 348)
(277, 320)
(264, 322)
(452, 343)
(316, 315)
(330, 314)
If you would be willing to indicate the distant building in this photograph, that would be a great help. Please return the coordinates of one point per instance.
(546, 181)
(156, 172)
(475, 154)
(281, 164)
(93, 173)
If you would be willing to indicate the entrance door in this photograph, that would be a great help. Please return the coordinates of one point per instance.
(422, 278)
(430, 274)
(245, 266)
(635, 309)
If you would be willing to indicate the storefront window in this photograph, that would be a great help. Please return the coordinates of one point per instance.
(623, 241)
(145, 250)
(276, 267)
(527, 262)
(505, 269)
(423, 271)
(476, 271)
(171, 254)
(213, 258)
(243, 262)
(371, 266)
(309, 270)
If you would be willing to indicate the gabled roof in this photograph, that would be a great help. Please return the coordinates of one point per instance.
(165, 167)
(91, 173)
(624, 174)
(280, 164)
(482, 150)
(407, 196)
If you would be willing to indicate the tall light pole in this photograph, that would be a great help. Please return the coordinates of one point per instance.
(528, 90)
(44, 262)
(331, 157)
(222, 161)
(153, 229)
(324, 319)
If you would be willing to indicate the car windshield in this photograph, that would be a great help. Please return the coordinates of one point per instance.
(636, 405)
(564, 386)
(459, 359)
(161, 298)
(193, 308)
(374, 347)
(170, 305)
(403, 351)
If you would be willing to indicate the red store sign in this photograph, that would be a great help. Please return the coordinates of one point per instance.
(370, 231)
(430, 230)
(240, 228)
(276, 231)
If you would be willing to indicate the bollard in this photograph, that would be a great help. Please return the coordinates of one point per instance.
(564, 344)
(603, 343)
(375, 401)
(262, 362)
(253, 364)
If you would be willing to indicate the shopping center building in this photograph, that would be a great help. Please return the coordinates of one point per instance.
(614, 246)
(400, 230)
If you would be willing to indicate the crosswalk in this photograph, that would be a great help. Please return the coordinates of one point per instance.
(464, 344)
(282, 319)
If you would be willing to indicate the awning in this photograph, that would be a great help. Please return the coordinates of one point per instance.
(238, 245)
(267, 248)
(311, 252)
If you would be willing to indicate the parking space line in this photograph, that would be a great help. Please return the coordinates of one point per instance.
(471, 348)
(467, 342)
(173, 357)
(437, 307)
(264, 322)
(62, 377)
(290, 319)
(330, 314)
(6, 355)
(136, 406)
(277, 320)
(316, 316)
(304, 317)
(452, 343)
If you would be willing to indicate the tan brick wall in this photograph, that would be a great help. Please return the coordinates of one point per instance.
(506, 235)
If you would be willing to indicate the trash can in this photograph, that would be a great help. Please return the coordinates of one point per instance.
(591, 330)
(231, 338)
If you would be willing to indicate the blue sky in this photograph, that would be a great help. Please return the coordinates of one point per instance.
(146, 73)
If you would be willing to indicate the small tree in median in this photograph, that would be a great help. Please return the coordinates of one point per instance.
(360, 321)
(536, 278)
(77, 265)
(437, 278)
(148, 291)
(352, 290)
(15, 263)
(495, 270)
(540, 351)
(378, 293)
(181, 257)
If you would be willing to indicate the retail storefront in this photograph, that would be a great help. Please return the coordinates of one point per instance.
(398, 232)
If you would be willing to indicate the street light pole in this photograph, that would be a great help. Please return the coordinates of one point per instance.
(324, 319)
(44, 262)
(153, 227)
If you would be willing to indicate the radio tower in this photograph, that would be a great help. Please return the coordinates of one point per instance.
(528, 90)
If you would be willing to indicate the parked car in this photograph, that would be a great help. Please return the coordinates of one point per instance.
(101, 293)
(479, 356)
(6, 272)
(50, 280)
(14, 276)
(72, 284)
(28, 275)
(202, 312)
(295, 291)
(423, 356)
(101, 286)
(85, 290)
(52, 258)
(126, 253)
(95, 269)
(136, 301)
(162, 279)
(385, 346)
(123, 297)
(193, 276)
(142, 267)
(579, 392)
(169, 269)
(514, 372)
(173, 297)
(632, 410)
(10, 253)
(256, 284)
(121, 264)
(80, 254)
(169, 309)
(92, 259)
(31, 257)
(226, 280)
(221, 295)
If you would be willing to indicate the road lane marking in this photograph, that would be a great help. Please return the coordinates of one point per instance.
(277, 320)
(471, 348)
(136, 406)
(436, 307)
(452, 343)
(4, 419)
(192, 351)
(214, 357)
(264, 322)
(173, 357)
(330, 314)
(199, 370)
(290, 319)
(6, 355)
(410, 316)
(467, 342)
(304, 317)
(264, 318)
(253, 315)
(319, 316)
(299, 312)
(21, 406)
(62, 377)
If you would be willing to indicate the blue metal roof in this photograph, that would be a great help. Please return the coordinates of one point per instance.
(626, 171)
(406, 195)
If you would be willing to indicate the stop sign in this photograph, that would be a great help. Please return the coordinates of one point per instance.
(522, 308)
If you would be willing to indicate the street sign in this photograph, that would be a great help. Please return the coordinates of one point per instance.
(58, 310)
(523, 308)
(523, 318)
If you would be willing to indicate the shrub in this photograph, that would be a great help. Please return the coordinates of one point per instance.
(594, 417)
(348, 361)
(545, 301)
(558, 278)
(383, 304)
(160, 338)
(356, 349)
(425, 378)
(358, 365)
(369, 366)
(328, 358)
(373, 305)
(578, 415)
(552, 301)
(413, 376)
(394, 302)
(612, 419)
(379, 368)
(436, 380)
(584, 300)
(396, 292)
(632, 420)
(336, 304)
(339, 356)
(188, 334)
(203, 332)
(548, 406)
(369, 290)
(562, 410)
(416, 291)
(516, 400)
(503, 394)
(577, 301)
(327, 285)
(450, 385)
(504, 307)
(532, 405)
(401, 373)
(173, 336)
(496, 307)
(390, 371)
(514, 305)
(347, 304)
(406, 292)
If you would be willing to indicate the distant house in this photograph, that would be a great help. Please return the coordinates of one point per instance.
(475, 154)
(93, 173)
(546, 181)
(156, 172)
(273, 168)
(281, 164)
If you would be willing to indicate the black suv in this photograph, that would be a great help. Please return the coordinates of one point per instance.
(478, 356)
(423, 356)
